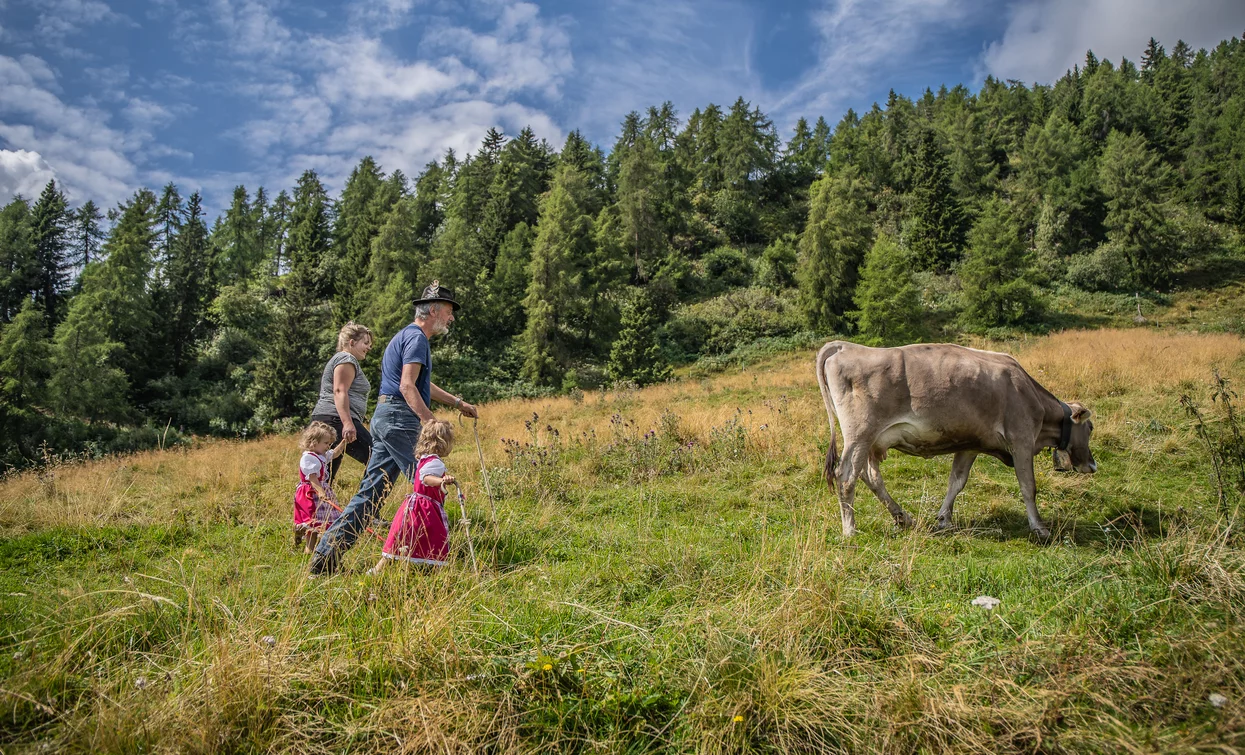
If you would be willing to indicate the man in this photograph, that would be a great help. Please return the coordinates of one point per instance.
(406, 393)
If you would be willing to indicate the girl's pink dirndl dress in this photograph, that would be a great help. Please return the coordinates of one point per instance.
(311, 513)
(420, 532)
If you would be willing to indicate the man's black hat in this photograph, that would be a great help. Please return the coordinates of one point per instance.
(436, 292)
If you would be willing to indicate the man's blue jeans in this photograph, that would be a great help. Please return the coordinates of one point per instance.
(395, 429)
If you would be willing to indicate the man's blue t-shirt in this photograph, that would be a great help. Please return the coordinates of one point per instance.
(409, 346)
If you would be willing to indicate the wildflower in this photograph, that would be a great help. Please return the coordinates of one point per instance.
(986, 602)
(581, 671)
(269, 640)
(140, 683)
(548, 667)
(738, 719)
(1217, 700)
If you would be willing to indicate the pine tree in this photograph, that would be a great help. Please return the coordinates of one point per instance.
(238, 251)
(86, 235)
(86, 380)
(273, 231)
(1135, 181)
(888, 302)
(355, 225)
(996, 272)
(49, 235)
(563, 236)
(834, 243)
(169, 212)
(24, 366)
(310, 234)
(936, 233)
(17, 258)
(120, 294)
(286, 374)
(635, 355)
(189, 287)
(638, 174)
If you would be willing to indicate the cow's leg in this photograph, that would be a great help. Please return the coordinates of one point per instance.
(960, 468)
(1028, 489)
(851, 466)
(873, 478)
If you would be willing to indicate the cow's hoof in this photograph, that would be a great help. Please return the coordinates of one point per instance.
(904, 520)
(942, 525)
(1042, 534)
(848, 532)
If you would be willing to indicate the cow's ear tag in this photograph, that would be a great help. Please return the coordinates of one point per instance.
(1061, 459)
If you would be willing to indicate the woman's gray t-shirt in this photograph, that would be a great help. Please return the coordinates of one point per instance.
(358, 391)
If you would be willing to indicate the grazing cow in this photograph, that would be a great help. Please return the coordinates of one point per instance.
(932, 399)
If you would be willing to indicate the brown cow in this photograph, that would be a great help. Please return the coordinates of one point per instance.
(932, 399)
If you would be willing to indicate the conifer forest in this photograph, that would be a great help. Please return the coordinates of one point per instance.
(581, 265)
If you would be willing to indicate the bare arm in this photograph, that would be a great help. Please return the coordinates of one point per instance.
(449, 399)
(433, 481)
(343, 376)
(410, 373)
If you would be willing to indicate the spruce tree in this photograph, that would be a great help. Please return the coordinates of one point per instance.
(86, 381)
(996, 273)
(238, 250)
(563, 236)
(635, 355)
(17, 258)
(122, 295)
(287, 373)
(86, 235)
(189, 285)
(888, 301)
(355, 225)
(936, 230)
(49, 235)
(24, 367)
(834, 243)
(638, 173)
(1135, 182)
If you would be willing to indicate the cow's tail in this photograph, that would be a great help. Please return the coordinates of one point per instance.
(830, 470)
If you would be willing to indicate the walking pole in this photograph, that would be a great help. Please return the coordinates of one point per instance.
(483, 471)
(462, 507)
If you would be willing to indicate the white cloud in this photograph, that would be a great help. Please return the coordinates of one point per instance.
(86, 154)
(60, 18)
(326, 100)
(861, 40)
(690, 52)
(23, 172)
(1045, 38)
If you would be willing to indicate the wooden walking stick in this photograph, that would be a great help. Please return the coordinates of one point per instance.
(462, 507)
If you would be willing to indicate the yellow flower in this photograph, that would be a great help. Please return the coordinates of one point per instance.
(548, 667)
(738, 719)
(582, 671)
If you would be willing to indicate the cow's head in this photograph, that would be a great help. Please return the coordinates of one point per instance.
(1077, 456)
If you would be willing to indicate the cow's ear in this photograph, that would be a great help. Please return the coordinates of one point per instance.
(1079, 413)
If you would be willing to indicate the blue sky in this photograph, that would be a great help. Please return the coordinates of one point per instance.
(107, 96)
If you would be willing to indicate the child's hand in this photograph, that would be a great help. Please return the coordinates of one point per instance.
(448, 480)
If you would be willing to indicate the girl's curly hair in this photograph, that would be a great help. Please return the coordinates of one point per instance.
(317, 432)
(437, 437)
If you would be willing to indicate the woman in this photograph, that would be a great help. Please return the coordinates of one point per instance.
(343, 395)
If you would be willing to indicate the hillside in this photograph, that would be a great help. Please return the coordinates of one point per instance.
(667, 574)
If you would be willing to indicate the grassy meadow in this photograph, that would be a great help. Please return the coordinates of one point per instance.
(666, 574)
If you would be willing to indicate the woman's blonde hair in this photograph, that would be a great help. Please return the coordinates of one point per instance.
(317, 432)
(437, 437)
(351, 332)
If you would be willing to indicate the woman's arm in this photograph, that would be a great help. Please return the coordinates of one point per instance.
(343, 376)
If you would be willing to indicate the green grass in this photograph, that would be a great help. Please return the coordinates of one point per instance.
(640, 594)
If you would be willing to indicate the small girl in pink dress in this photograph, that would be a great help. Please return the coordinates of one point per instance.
(313, 498)
(420, 531)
